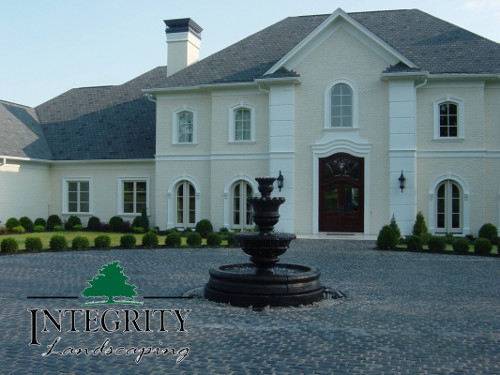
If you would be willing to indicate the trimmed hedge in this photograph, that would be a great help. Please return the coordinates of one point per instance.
(414, 243)
(387, 238)
(173, 239)
(102, 241)
(150, 240)
(193, 239)
(436, 243)
(33, 244)
(482, 246)
(460, 245)
(80, 243)
(204, 227)
(53, 221)
(58, 242)
(128, 241)
(489, 231)
(9, 245)
(214, 239)
(26, 223)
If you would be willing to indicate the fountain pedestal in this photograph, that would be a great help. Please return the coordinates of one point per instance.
(264, 282)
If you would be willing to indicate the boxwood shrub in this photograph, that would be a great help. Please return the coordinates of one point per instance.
(414, 243)
(482, 246)
(436, 243)
(19, 229)
(173, 239)
(12, 222)
(26, 223)
(128, 241)
(150, 240)
(193, 239)
(72, 222)
(33, 244)
(102, 241)
(489, 231)
(9, 245)
(80, 243)
(38, 228)
(40, 221)
(58, 242)
(214, 239)
(52, 221)
(116, 224)
(460, 245)
(204, 227)
(94, 224)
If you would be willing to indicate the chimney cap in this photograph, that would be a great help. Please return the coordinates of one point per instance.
(183, 25)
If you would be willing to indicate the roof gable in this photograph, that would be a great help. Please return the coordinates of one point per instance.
(339, 19)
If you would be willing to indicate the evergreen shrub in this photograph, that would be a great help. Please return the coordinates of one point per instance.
(72, 222)
(150, 240)
(33, 244)
(173, 239)
(26, 223)
(38, 228)
(436, 244)
(193, 239)
(231, 241)
(482, 246)
(80, 243)
(102, 241)
(40, 222)
(128, 241)
(460, 245)
(386, 239)
(395, 227)
(490, 232)
(94, 224)
(58, 228)
(420, 227)
(414, 243)
(58, 242)
(9, 245)
(12, 223)
(214, 239)
(204, 227)
(116, 224)
(52, 221)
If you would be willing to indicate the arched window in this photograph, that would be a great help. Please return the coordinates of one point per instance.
(241, 209)
(449, 208)
(184, 126)
(242, 123)
(341, 106)
(185, 205)
(448, 118)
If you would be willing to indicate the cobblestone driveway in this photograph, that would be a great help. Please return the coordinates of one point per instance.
(405, 313)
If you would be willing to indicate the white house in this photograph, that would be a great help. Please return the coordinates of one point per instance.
(366, 115)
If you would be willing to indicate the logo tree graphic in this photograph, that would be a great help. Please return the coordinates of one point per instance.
(110, 282)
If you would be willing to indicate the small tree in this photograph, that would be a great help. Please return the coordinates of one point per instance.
(145, 219)
(394, 225)
(420, 227)
(386, 239)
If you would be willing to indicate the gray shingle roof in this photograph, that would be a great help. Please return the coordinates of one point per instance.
(432, 44)
(22, 135)
(109, 122)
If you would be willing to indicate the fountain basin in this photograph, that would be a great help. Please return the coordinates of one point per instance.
(248, 285)
(264, 248)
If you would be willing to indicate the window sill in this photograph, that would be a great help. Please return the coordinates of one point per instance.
(449, 139)
(241, 142)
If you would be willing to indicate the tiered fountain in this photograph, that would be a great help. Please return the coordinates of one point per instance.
(264, 282)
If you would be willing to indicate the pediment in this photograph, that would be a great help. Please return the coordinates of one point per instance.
(336, 21)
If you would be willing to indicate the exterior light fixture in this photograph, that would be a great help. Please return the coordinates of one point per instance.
(402, 180)
(280, 180)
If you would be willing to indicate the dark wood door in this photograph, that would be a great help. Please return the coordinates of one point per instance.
(341, 192)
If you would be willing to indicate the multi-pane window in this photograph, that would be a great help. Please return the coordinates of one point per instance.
(134, 196)
(448, 120)
(185, 128)
(242, 124)
(78, 196)
(185, 205)
(242, 210)
(341, 106)
(448, 208)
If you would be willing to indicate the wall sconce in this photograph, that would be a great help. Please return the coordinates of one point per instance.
(402, 180)
(280, 180)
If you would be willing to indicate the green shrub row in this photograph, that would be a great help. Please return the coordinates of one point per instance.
(389, 237)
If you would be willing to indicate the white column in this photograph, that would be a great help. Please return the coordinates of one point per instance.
(402, 153)
(282, 149)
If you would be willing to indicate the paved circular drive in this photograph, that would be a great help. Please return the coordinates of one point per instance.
(405, 313)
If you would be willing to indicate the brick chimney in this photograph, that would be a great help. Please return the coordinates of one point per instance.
(183, 41)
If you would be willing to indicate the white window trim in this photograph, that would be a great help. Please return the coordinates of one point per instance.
(171, 197)
(232, 109)
(121, 180)
(65, 181)
(460, 114)
(228, 195)
(175, 125)
(355, 104)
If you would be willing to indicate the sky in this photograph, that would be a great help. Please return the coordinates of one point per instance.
(48, 47)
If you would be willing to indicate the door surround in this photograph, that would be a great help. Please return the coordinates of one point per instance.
(328, 146)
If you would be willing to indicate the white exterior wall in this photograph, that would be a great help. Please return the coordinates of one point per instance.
(105, 186)
(25, 190)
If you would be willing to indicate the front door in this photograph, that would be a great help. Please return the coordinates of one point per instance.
(341, 192)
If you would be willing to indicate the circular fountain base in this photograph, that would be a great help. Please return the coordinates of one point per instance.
(248, 285)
